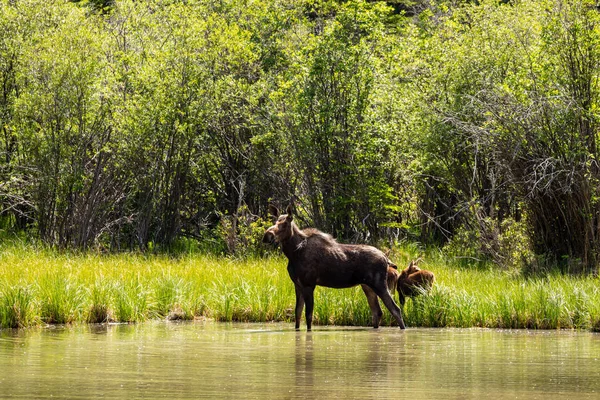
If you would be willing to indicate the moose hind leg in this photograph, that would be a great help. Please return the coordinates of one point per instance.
(373, 305)
(389, 303)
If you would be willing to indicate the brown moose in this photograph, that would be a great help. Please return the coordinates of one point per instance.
(412, 281)
(315, 258)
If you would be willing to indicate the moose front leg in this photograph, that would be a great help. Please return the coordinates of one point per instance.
(385, 296)
(308, 294)
(299, 305)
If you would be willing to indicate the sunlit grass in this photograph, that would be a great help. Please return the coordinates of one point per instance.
(495, 299)
(39, 286)
(16, 307)
(43, 287)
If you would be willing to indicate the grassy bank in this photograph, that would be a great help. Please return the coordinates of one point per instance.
(41, 287)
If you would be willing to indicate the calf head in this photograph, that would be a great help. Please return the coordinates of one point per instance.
(411, 269)
(282, 229)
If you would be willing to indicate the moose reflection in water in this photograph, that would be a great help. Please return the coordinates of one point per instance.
(315, 258)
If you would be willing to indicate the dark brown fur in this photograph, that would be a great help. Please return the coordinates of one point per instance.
(315, 258)
(392, 279)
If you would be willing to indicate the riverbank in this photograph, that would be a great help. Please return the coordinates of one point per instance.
(40, 287)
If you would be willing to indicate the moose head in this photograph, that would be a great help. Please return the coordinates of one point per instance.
(282, 229)
(411, 269)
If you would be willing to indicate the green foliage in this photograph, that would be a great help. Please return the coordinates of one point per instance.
(100, 299)
(338, 150)
(16, 307)
(61, 300)
(515, 245)
(131, 301)
(144, 125)
(508, 245)
(242, 233)
(507, 93)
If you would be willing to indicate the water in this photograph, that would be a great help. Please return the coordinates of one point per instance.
(241, 361)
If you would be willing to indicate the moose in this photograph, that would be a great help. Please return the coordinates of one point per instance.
(315, 259)
(410, 282)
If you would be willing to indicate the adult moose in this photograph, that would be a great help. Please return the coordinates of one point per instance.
(315, 258)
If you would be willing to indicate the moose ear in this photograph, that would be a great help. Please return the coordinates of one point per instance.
(273, 210)
(290, 212)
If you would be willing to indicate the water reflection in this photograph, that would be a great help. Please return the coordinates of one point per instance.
(303, 362)
(213, 360)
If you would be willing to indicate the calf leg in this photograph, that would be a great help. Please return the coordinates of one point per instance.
(389, 303)
(308, 294)
(373, 305)
(402, 299)
(299, 305)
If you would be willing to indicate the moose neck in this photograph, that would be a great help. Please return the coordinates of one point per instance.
(292, 243)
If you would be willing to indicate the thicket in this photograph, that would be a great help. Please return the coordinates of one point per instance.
(131, 124)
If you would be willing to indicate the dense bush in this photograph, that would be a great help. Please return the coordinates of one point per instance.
(131, 124)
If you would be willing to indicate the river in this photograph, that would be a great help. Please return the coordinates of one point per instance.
(273, 361)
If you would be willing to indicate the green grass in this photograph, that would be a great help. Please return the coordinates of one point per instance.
(43, 287)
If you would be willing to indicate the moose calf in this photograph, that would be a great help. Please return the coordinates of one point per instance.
(411, 282)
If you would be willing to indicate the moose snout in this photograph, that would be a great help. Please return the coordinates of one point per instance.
(269, 236)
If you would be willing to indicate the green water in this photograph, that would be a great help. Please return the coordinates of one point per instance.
(272, 361)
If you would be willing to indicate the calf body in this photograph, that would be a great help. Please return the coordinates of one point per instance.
(316, 259)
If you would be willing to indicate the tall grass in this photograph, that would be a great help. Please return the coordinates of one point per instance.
(16, 307)
(39, 286)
